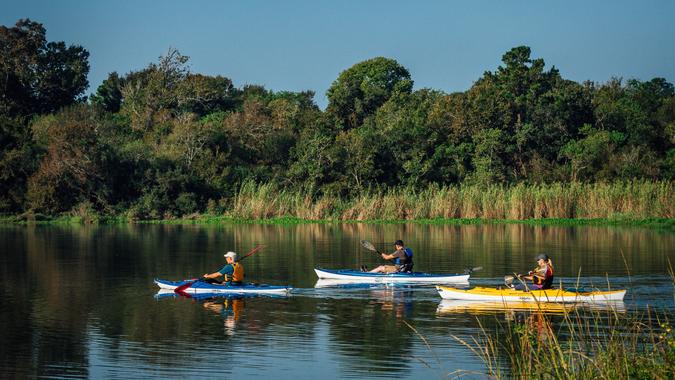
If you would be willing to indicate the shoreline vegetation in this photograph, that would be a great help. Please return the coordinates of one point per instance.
(586, 345)
(164, 144)
(632, 203)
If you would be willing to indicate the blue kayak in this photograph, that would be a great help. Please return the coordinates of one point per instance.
(166, 294)
(367, 277)
(204, 287)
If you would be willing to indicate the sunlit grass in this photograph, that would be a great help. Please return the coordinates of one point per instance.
(644, 203)
(623, 202)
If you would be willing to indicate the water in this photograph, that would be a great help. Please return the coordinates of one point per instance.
(80, 302)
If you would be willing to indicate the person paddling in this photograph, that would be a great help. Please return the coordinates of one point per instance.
(541, 276)
(232, 272)
(402, 258)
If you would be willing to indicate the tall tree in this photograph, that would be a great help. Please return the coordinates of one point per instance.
(72, 169)
(109, 94)
(360, 90)
(37, 76)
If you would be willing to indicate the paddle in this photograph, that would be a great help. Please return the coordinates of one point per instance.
(369, 246)
(471, 270)
(181, 289)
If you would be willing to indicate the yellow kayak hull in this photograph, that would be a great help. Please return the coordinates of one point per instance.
(512, 295)
(480, 307)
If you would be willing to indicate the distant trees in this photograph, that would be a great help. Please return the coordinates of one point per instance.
(163, 142)
(37, 76)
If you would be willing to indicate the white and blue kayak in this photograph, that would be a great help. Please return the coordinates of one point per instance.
(367, 277)
(204, 287)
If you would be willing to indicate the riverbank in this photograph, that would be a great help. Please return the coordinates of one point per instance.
(655, 223)
(630, 203)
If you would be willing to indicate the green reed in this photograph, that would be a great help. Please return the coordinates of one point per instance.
(607, 345)
(631, 200)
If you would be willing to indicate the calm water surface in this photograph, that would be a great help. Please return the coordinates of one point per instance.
(80, 301)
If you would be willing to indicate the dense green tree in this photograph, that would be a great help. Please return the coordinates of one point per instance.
(202, 95)
(150, 97)
(72, 168)
(18, 159)
(37, 76)
(360, 90)
(109, 94)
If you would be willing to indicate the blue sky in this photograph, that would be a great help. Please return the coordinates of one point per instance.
(304, 45)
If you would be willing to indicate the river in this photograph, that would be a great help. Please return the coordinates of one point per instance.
(79, 301)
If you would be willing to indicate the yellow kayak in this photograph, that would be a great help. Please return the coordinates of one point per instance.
(512, 295)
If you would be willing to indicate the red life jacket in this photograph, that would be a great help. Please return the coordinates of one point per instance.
(547, 281)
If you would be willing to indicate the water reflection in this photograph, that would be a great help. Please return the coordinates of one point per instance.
(446, 307)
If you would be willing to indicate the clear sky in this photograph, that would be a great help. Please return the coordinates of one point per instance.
(303, 45)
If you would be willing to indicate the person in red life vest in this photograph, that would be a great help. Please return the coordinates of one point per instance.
(232, 272)
(540, 277)
(402, 259)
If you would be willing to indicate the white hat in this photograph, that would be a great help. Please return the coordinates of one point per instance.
(231, 254)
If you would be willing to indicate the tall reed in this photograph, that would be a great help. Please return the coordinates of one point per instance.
(598, 344)
(617, 200)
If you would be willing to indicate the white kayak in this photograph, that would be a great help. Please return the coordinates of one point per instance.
(512, 295)
(367, 277)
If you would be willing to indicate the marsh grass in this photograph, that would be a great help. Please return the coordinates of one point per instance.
(623, 201)
(593, 344)
(626, 203)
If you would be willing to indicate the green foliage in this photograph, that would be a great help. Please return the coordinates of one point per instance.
(37, 76)
(164, 142)
(151, 96)
(72, 168)
(361, 89)
(109, 94)
(18, 158)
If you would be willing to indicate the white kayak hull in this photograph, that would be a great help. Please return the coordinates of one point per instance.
(366, 277)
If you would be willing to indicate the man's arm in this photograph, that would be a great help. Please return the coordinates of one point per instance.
(392, 256)
(227, 269)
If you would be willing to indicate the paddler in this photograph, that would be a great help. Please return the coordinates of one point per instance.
(232, 272)
(402, 258)
(540, 277)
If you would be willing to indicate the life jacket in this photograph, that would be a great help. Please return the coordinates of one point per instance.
(406, 264)
(238, 275)
(547, 282)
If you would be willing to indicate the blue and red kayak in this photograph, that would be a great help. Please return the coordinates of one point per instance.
(204, 287)
(403, 277)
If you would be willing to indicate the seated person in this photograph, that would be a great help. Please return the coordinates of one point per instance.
(541, 277)
(232, 272)
(402, 258)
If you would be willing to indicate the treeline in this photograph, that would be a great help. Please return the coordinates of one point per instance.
(164, 142)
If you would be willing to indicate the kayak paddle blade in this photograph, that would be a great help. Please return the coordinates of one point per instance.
(471, 270)
(181, 289)
(368, 245)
